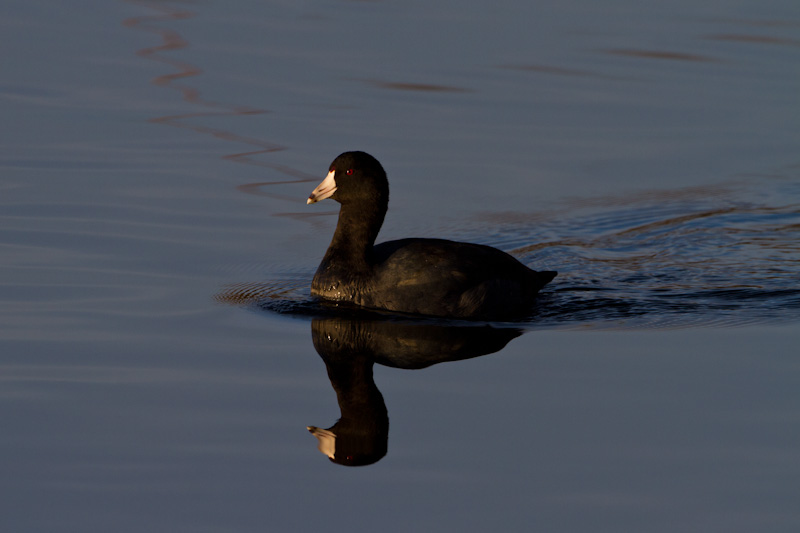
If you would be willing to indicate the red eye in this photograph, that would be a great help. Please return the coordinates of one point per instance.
(349, 172)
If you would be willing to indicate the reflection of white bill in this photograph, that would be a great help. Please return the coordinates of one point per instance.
(327, 440)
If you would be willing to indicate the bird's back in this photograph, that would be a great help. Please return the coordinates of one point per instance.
(446, 278)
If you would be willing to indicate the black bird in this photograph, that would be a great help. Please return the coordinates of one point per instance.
(434, 277)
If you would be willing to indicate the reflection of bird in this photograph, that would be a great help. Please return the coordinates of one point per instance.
(360, 436)
(423, 276)
(350, 346)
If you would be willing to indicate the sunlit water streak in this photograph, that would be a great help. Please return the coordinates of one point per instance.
(172, 40)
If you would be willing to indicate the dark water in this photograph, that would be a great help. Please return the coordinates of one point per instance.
(161, 362)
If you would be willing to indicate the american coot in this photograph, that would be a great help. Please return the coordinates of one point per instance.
(433, 277)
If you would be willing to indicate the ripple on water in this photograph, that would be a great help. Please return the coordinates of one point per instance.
(697, 257)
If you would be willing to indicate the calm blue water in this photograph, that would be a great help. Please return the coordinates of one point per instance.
(160, 360)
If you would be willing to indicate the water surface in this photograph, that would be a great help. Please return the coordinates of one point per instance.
(160, 359)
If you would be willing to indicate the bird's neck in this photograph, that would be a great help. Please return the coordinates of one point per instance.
(355, 234)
